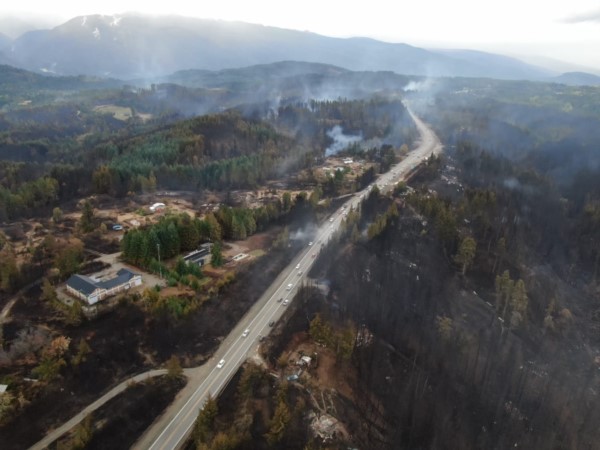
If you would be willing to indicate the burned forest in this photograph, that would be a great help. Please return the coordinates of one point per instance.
(295, 255)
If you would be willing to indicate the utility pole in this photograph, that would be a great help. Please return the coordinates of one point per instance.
(159, 266)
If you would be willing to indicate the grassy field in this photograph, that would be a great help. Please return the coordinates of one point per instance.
(118, 112)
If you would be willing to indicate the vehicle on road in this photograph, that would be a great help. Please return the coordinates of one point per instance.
(285, 302)
(310, 243)
(331, 220)
(221, 364)
(297, 266)
(299, 273)
(279, 300)
(271, 323)
(246, 332)
(261, 338)
(289, 287)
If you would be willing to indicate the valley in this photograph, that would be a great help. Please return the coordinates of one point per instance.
(240, 236)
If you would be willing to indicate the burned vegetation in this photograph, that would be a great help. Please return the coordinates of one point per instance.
(467, 328)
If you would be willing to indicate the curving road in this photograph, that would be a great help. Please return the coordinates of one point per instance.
(171, 430)
(65, 427)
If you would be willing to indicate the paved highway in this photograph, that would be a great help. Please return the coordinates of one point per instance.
(267, 310)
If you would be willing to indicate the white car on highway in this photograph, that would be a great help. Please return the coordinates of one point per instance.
(246, 332)
(289, 287)
(221, 364)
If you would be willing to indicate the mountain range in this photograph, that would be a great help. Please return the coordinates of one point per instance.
(138, 46)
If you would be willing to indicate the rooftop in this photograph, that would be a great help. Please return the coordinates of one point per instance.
(87, 285)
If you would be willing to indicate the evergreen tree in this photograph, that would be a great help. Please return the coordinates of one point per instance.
(83, 349)
(466, 253)
(214, 228)
(86, 222)
(189, 236)
(216, 255)
(174, 369)
(518, 299)
(504, 287)
(203, 427)
(287, 202)
(48, 292)
(57, 215)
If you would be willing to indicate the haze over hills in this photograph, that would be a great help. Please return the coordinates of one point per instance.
(502, 67)
(578, 78)
(135, 46)
(5, 41)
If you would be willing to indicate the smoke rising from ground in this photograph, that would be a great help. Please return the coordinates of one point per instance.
(304, 234)
(340, 140)
(416, 86)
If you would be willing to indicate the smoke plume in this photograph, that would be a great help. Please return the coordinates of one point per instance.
(340, 140)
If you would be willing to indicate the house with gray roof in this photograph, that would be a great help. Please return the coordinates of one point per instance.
(201, 256)
(92, 291)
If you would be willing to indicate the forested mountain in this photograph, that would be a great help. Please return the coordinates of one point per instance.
(14, 80)
(134, 46)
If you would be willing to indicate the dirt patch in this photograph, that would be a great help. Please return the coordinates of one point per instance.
(260, 241)
(174, 291)
(328, 370)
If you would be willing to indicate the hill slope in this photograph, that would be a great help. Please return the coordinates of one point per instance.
(578, 79)
(130, 46)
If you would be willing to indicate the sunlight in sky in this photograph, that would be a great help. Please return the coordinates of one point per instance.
(560, 30)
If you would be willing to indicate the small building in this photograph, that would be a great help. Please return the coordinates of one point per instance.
(348, 161)
(306, 361)
(157, 207)
(92, 291)
(201, 256)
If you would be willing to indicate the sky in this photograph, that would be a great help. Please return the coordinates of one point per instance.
(538, 30)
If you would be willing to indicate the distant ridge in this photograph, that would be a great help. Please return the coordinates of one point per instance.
(578, 79)
(136, 46)
(262, 72)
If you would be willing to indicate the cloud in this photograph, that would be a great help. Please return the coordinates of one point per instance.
(592, 16)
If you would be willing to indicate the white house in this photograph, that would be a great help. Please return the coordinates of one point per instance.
(92, 291)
